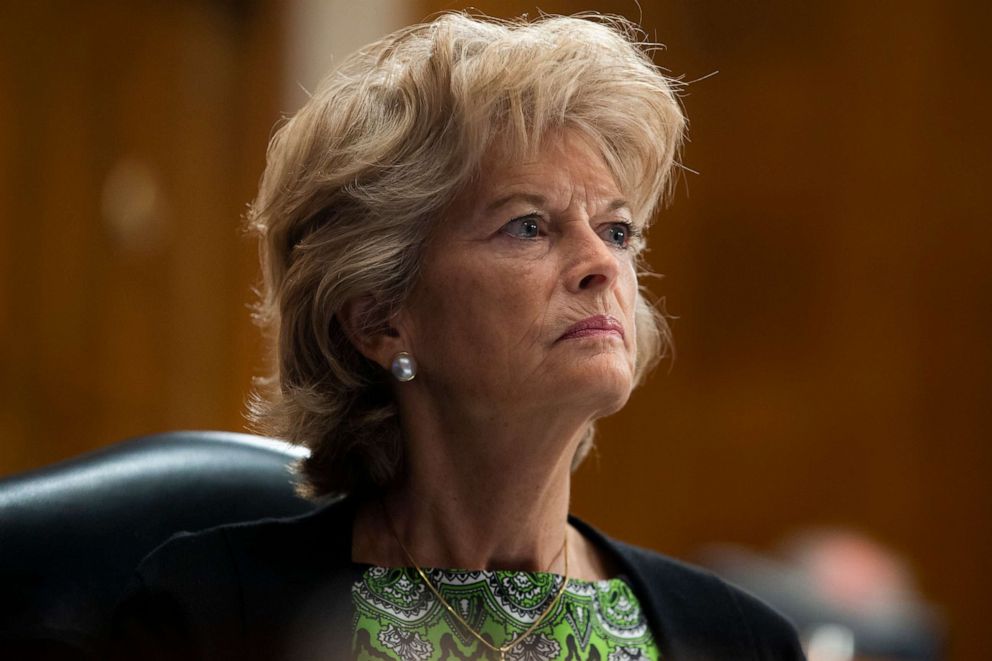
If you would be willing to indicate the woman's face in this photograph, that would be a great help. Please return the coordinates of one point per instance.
(527, 294)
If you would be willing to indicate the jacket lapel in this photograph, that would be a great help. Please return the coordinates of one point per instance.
(691, 612)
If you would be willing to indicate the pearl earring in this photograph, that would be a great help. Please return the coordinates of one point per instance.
(404, 366)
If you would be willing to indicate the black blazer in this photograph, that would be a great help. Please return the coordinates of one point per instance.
(281, 589)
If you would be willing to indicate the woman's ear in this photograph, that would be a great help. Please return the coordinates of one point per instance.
(378, 341)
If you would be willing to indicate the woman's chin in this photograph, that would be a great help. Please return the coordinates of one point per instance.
(604, 388)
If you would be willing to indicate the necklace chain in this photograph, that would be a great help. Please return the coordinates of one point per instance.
(503, 649)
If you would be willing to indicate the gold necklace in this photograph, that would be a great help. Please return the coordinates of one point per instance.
(502, 650)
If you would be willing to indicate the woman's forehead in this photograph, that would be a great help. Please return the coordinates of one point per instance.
(561, 167)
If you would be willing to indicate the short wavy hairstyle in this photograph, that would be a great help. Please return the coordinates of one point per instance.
(356, 180)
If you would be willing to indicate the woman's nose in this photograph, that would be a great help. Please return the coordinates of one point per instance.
(591, 263)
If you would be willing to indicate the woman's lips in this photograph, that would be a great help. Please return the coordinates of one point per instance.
(597, 325)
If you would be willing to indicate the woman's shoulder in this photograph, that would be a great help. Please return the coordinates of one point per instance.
(324, 532)
(698, 597)
(695, 613)
(204, 589)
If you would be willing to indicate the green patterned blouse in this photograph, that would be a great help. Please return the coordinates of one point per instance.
(397, 617)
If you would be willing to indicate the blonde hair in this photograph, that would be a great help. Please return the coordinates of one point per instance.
(355, 180)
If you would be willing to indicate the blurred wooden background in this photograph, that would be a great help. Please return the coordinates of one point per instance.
(134, 133)
(829, 264)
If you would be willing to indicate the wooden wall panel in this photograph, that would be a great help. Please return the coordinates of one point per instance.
(134, 135)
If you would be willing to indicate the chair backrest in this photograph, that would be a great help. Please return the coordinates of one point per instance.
(71, 534)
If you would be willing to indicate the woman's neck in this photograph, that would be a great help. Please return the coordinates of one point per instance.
(480, 497)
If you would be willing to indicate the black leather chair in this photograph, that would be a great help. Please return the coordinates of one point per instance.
(71, 533)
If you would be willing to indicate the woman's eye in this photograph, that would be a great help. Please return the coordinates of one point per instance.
(618, 234)
(527, 227)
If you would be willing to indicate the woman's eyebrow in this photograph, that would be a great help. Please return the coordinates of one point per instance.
(540, 200)
(530, 198)
(619, 203)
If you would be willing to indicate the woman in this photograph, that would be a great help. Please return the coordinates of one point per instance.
(450, 232)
